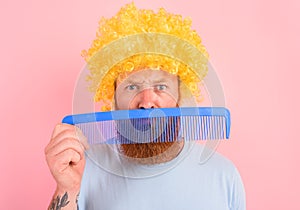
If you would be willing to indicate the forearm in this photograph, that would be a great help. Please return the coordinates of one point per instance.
(64, 200)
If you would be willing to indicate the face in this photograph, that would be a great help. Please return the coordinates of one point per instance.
(147, 89)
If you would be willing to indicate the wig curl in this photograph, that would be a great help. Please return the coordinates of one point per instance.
(136, 39)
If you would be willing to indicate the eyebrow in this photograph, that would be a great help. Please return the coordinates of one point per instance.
(163, 80)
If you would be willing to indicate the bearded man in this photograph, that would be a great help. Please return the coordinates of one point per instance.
(152, 60)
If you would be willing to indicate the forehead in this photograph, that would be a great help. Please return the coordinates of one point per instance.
(148, 76)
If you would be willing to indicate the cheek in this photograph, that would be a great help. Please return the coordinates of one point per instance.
(121, 101)
(124, 100)
(169, 100)
(171, 103)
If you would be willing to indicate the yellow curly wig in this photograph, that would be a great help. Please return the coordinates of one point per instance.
(136, 39)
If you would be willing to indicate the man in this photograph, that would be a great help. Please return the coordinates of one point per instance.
(164, 175)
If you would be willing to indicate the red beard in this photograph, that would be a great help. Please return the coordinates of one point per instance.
(161, 151)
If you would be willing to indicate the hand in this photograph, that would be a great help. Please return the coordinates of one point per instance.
(65, 156)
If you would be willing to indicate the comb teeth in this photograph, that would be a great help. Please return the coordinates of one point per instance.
(203, 128)
(148, 130)
(156, 125)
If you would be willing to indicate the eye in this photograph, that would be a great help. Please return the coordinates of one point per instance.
(131, 87)
(161, 87)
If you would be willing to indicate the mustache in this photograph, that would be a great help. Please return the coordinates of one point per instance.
(148, 130)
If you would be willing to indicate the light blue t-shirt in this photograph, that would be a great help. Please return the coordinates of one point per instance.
(112, 182)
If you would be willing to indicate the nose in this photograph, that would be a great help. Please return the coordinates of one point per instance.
(147, 99)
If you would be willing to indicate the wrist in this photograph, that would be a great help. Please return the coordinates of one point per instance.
(63, 199)
(71, 193)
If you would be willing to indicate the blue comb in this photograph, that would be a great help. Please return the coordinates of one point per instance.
(153, 125)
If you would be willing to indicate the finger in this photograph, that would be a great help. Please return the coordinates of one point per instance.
(61, 127)
(64, 134)
(75, 133)
(68, 133)
(65, 159)
(64, 130)
(65, 144)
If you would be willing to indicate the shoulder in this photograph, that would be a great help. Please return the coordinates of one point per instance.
(215, 164)
(203, 154)
(224, 173)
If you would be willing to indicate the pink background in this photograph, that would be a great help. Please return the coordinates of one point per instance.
(254, 47)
